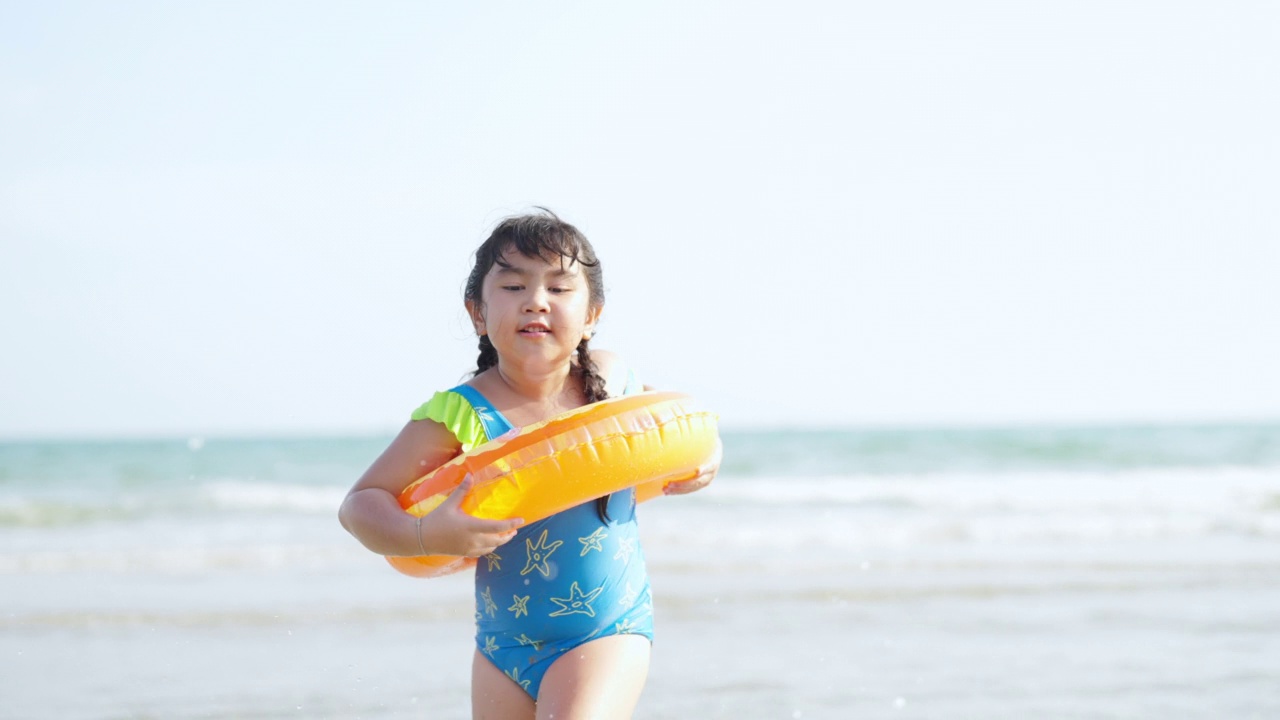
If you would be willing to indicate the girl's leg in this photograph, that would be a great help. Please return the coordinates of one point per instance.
(494, 696)
(600, 679)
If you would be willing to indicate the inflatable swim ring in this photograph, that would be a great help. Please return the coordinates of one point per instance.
(643, 441)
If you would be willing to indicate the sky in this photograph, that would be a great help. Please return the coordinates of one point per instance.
(256, 217)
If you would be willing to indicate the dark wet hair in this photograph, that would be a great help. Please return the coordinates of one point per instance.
(542, 235)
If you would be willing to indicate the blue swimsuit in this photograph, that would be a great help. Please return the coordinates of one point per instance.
(560, 582)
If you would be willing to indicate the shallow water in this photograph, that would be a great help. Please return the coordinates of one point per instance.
(174, 582)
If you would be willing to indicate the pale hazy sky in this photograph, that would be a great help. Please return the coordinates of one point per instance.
(223, 218)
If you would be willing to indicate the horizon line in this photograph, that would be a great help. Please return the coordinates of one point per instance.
(743, 428)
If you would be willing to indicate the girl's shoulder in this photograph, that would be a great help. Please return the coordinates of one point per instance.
(423, 444)
(454, 412)
(619, 378)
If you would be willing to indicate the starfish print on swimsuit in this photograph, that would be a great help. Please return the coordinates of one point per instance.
(628, 597)
(514, 674)
(592, 542)
(626, 546)
(625, 627)
(524, 639)
(578, 602)
(489, 646)
(520, 606)
(495, 561)
(538, 554)
(490, 607)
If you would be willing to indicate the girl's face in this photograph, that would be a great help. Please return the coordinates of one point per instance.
(534, 310)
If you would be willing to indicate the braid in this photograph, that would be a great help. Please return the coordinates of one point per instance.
(592, 384)
(488, 355)
(594, 389)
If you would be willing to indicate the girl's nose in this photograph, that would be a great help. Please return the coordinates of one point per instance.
(538, 301)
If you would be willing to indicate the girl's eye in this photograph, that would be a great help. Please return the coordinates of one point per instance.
(512, 287)
(559, 290)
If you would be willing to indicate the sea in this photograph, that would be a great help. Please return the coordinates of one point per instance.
(1035, 572)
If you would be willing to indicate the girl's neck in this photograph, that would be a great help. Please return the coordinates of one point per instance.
(527, 397)
(530, 383)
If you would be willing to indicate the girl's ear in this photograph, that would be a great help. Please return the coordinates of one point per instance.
(477, 318)
(593, 318)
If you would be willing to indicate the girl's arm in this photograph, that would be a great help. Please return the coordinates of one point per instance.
(372, 513)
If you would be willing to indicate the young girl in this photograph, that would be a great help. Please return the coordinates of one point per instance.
(563, 613)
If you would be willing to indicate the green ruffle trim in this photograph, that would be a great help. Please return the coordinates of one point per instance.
(454, 412)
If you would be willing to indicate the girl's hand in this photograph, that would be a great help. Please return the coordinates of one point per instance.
(706, 473)
(448, 530)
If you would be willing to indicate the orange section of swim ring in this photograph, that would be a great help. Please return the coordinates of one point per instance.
(643, 441)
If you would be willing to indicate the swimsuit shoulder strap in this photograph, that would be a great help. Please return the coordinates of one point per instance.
(454, 410)
(472, 418)
(633, 385)
(493, 421)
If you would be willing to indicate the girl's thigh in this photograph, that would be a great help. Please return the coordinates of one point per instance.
(599, 679)
(494, 696)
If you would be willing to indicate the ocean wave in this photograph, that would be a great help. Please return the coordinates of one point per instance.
(1144, 490)
(818, 452)
(820, 539)
(289, 616)
(801, 514)
(25, 511)
(34, 509)
(241, 495)
(1220, 492)
(178, 560)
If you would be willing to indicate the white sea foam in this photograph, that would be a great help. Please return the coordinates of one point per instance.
(1041, 507)
(258, 496)
(1196, 490)
(167, 560)
(227, 522)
